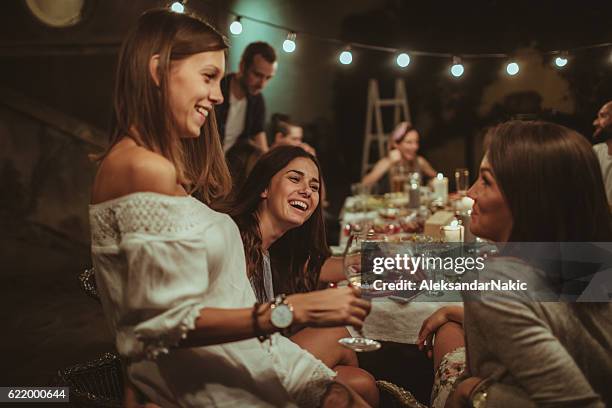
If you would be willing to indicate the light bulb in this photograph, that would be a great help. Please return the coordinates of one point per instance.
(512, 68)
(403, 60)
(177, 7)
(236, 27)
(560, 62)
(457, 70)
(289, 43)
(346, 57)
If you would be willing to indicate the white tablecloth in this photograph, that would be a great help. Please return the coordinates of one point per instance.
(400, 323)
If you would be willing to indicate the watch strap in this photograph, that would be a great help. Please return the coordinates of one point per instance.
(259, 333)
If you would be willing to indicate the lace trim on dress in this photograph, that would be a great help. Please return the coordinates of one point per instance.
(316, 386)
(154, 347)
(143, 212)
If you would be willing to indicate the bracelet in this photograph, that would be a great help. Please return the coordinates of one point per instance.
(261, 336)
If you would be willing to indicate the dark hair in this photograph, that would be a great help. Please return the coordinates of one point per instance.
(141, 108)
(297, 256)
(552, 182)
(257, 48)
(241, 159)
(281, 123)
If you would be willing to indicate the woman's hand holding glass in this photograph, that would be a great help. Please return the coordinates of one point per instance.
(330, 307)
(352, 270)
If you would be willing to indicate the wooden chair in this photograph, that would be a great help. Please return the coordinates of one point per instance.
(398, 396)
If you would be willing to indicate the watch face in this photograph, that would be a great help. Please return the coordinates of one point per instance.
(282, 316)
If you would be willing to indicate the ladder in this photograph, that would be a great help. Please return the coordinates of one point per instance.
(399, 103)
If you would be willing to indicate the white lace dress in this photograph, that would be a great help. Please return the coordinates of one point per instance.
(159, 260)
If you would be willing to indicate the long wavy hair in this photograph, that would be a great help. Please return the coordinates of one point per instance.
(552, 182)
(297, 256)
(141, 109)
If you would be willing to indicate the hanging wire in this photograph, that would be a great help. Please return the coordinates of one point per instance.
(354, 45)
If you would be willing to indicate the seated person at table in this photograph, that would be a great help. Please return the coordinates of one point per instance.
(403, 153)
(170, 271)
(522, 352)
(287, 132)
(602, 136)
(243, 155)
(280, 219)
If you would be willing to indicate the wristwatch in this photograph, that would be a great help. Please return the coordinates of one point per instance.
(281, 316)
(478, 398)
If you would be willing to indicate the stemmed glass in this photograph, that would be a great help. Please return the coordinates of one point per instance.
(462, 181)
(352, 271)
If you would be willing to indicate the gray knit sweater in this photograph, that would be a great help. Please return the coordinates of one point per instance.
(539, 353)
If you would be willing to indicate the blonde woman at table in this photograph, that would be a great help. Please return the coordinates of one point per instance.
(524, 352)
(170, 271)
(279, 214)
(403, 153)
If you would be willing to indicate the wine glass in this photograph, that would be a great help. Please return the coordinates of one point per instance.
(352, 271)
(462, 181)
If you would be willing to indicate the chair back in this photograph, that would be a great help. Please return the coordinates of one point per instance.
(97, 383)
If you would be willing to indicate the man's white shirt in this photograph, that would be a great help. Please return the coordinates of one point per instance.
(236, 117)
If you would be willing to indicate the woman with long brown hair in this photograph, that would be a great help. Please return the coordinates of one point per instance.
(170, 270)
(278, 212)
(296, 242)
(538, 183)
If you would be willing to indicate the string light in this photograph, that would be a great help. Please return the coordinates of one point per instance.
(403, 60)
(346, 57)
(457, 67)
(289, 43)
(236, 26)
(177, 7)
(403, 57)
(561, 60)
(512, 68)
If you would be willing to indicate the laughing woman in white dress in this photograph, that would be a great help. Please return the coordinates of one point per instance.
(171, 271)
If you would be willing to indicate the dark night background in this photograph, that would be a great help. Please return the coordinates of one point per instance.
(55, 93)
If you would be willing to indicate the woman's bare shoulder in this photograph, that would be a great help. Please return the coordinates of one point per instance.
(129, 169)
(422, 160)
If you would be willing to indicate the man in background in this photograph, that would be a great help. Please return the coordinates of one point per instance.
(241, 116)
(287, 132)
(603, 149)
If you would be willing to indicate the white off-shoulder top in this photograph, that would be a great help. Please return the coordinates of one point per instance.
(159, 260)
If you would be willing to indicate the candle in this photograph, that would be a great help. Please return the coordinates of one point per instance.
(414, 195)
(453, 232)
(440, 187)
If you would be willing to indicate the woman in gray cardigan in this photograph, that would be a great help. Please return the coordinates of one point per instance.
(538, 182)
